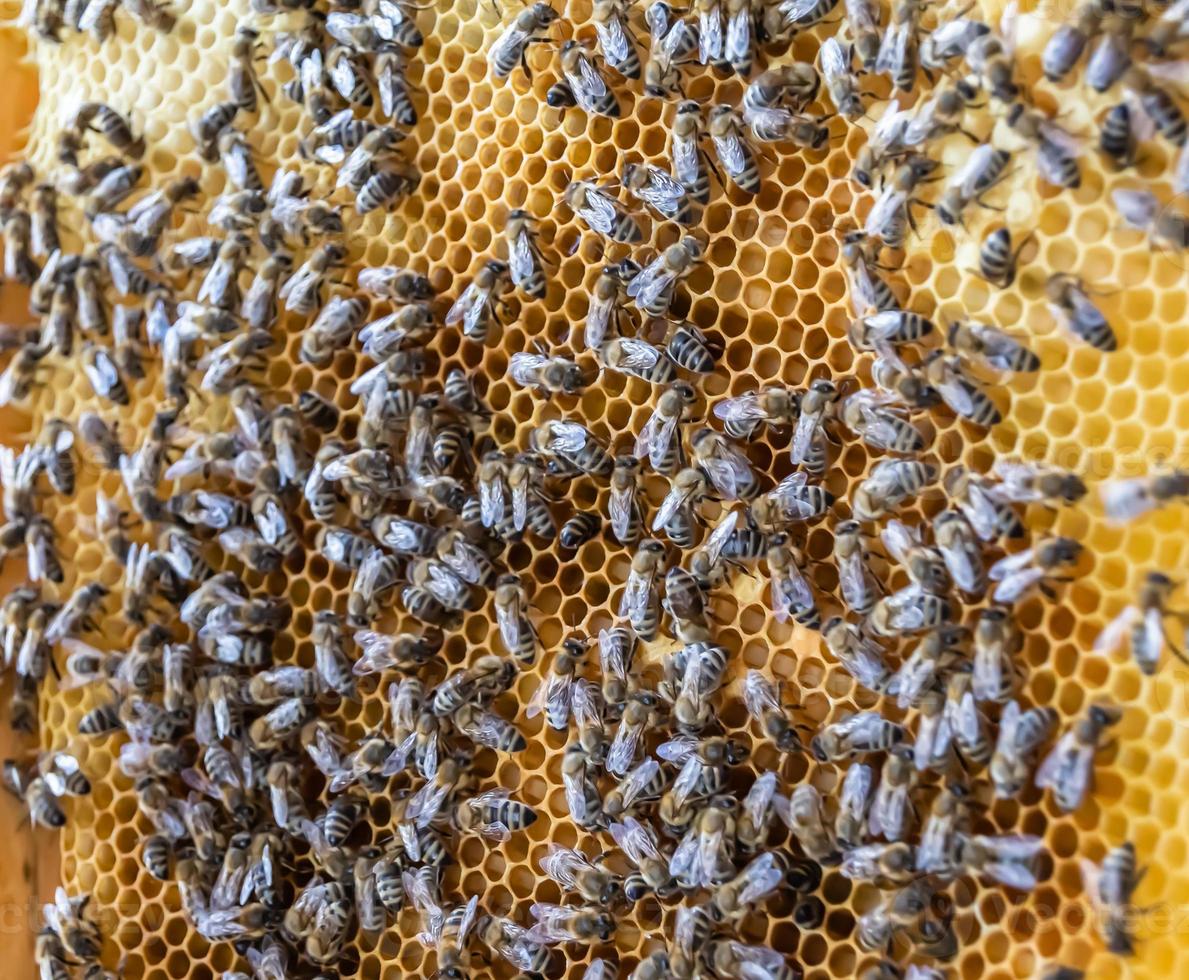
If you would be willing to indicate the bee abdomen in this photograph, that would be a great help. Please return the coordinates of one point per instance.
(579, 529)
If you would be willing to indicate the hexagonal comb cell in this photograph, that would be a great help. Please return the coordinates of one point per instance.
(773, 290)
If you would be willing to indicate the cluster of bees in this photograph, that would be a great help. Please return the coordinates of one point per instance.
(419, 503)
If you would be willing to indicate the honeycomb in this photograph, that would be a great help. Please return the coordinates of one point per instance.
(774, 289)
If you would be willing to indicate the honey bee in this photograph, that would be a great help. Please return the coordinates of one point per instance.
(792, 595)
(891, 216)
(383, 651)
(855, 580)
(555, 696)
(839, 79)
(548, 374)
(756, 811)
(583, 800)
(1032, 568)
(511, 610)
(690, 165)
(493, 815)
(734, 152)
(791, 501)
(332, 328)
(1056, 151)
(302, 291)
(656, 188)
(652, 288)
(759, 879)
(888, 328)
(742, 415)
(1117, 137)
(43, 214)
(389, 69)
(1142, 624)
(859, 655)
(1165, 227)
(40, 800)
(606, 302)
(1157, 103)
(526, 28)
(673, 41)
(1021, 734)
(1127, 499)
(513, 943)
(476, 307)
(983, 169)
(101, 118)
(1065, 46)
(678, 514)
(463, 558)
(574, 871)
(908, 912)
(19, 265)
(236, 155)
(807, 823)
(479, 684)
(1111, 887)
(602, 213)
(110, 191)
(617, 647)
(761, 697)
(991, 346)
(857, 734)
(642, 784)
(640, 603)
(572, 444)
(629, 736)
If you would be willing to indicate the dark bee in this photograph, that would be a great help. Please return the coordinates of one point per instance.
(579, 529)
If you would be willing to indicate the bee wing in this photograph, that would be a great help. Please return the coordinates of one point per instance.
(717, 540)
(674, 501)
(611, 655)
(598, 319)
(1125, 500)
(464, 308)
(894, 48)
(636, 781)
(744, 408)
(575, 791)
(834, 63)
(586, 703)
(508, 618)
(687, 780)
(1115, 631)
(522, 260)
(790, 592)
(687, 162)
(589, 81)
(710, 35)
(624, 747)
(733, 152)
(613, 39)
(887, 212)
(759, 694)
(568, 437)
(910, 682)
(491, 501)
(899, 539)
(1015, 584)
(554, 698)
(634, 840)
(677, 749)
(759, 798)
(651, 283)
(600, 212)
(863, 295)
(426, 802)
(683, 865)
(999, 348)
(665, 193)
(561, 864)
(808, 424)
(506, 47)
(856, 789)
